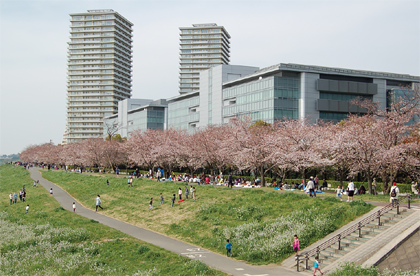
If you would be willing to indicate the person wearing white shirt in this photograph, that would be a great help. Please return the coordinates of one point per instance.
(394, 193)
(350, 188)
(98, 203)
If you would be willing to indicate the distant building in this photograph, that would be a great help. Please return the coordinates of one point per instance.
(281, 91)
(136, 114)
(201, 46)
(99, 71)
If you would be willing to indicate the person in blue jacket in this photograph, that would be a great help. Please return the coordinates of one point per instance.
(228, 249)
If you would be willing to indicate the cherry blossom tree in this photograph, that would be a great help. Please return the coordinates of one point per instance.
(142, 148)
(297, 146)
(249, 147)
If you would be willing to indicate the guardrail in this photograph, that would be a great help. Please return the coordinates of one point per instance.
(357, 226)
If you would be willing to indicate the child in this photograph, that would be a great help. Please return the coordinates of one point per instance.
(180, 193)
(74, 207)
(34, 183)
(51, 192)
(192, 193)
(161, 199)
(228, 248)
(27, 208)
(37, 182)
(296, 245)
(173, 200)
(186, 192)
(339, 193)
(151, 204)
(316, 266)
(107, 182)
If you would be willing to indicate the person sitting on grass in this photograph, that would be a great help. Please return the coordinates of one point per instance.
(362, 190)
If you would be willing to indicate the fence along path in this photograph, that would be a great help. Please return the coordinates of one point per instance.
(348, 231)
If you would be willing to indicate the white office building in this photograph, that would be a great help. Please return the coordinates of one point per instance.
(202, 46)
(99, 71)
(281, 91)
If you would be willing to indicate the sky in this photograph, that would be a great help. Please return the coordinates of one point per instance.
(377, 35)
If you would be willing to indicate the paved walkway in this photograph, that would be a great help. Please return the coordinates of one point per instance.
(212, 259)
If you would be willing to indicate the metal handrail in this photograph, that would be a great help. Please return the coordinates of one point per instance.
(351, 229)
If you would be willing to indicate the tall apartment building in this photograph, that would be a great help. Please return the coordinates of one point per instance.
(202, 46)
(99, 71)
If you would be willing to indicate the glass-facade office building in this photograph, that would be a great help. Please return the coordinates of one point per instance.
(280, 91)
(267, 99)
(137, 114)
(183, 111)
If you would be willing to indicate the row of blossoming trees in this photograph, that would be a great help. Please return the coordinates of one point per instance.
(375, 145)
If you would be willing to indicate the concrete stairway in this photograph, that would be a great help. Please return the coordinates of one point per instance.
(351, 242)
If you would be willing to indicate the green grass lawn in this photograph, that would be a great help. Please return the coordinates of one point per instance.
(52, 241)
(260, 224)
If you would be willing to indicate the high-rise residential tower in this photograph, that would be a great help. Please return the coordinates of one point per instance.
(201, 46)
(99, 71)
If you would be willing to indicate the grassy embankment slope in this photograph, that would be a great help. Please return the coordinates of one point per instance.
(52, 241)
(260, 224)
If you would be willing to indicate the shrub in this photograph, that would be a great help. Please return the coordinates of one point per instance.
(59, 209)
(143, 249)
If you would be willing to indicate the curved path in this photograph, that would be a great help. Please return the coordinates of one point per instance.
(212, 259)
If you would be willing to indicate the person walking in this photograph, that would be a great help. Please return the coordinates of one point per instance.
(191, 192)
(228, 248)
(374, 184)
(339, 192)
(296, 245)
(316, 183)
(316, 266)
(98, 203)
(74, 207)
(230, 181)
(11, 198)
(173, 200)
(180, 193)
(51, 192)
(151, 204)
(23, 196)
(161, 199)
(394, 193)
(159, 175)
(311, 187)
(350, 191)
(27, 208)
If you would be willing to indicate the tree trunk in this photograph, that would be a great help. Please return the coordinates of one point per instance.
(370, 183)
(385, 183)
(304, 176)
(262, 176)
(341, 174)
